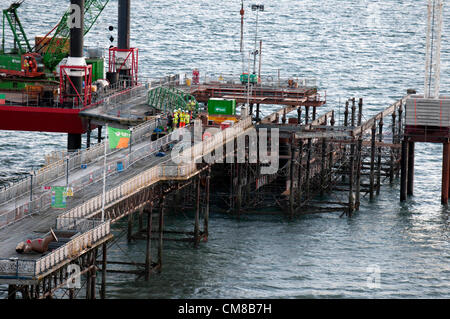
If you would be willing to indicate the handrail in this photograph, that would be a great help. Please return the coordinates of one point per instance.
(163, 171)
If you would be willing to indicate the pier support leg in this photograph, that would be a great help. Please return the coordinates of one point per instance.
(130, 227)
(308, 169)
(358, 174)
(410, 182)
(141, 219)
(88, 135)
(197, 216)
(99, 136)
(258, 118)
(392, 150)
(299, 174)
(148, 256)
(206, 217)
(445, 173)
(404, 171)
(306, 115)
(12, 291)
(94, 274)
(323, 167)
(380, 139)
(160, 230)
(372, 162)
(291, 179)
(351, 198)
(104, 263)
(73, 142)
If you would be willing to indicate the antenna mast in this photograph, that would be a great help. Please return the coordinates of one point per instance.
(242, 33)
(433, 49)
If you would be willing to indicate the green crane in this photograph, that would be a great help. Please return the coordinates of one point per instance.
(21, 43)
(55, 50)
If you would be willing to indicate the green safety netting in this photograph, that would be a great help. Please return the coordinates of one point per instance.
(170, 99)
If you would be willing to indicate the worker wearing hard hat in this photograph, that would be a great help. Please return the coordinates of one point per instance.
(175, 119)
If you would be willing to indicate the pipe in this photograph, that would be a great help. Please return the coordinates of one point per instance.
(123, 39)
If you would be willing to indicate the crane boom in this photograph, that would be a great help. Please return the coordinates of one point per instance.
(21, 42)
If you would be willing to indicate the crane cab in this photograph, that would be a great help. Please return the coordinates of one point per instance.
(32, 65)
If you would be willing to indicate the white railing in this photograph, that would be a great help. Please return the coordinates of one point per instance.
(164, 171)
(73, 248)
(43, 202)
(26, 269)
(50, 173)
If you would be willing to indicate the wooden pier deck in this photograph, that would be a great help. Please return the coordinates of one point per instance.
(316, 156)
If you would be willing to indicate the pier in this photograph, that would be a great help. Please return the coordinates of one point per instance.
(325, 165)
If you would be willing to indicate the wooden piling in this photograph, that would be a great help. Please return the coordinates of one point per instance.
(299, 173)
(306, 115)
(372, 161)
(88, 135)
(299, 115)
(410, 179)
(104, 263)
(392, 150)
(351, 200)
(160, 231)
(148, 250)
(291, 177)
(353, 112)
(323, 167)
(445, 173)
(314, 113)
(197, 216)
(380, 139)
(308, 169)
(404, 171)
(206, 216)
(130, 227)
(358, 174)
(99, 134)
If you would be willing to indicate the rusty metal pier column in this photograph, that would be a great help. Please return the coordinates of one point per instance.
(410, 182)
(404, 170)
(148, 257)
(445, 173)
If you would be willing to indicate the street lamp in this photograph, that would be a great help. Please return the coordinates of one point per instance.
(257, 8)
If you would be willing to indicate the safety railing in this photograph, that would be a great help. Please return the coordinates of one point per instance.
(90, 232)
(266, 80)
(165, 171)
(58, 169)
(43, 202)
(145, 179)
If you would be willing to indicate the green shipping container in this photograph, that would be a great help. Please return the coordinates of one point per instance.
(97, 68)
(221, 107)
(244, 78)
(10, 62)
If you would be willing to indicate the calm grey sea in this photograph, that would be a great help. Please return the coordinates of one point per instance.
(361, 48)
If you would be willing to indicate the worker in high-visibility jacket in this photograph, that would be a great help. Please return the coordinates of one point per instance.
(175, 119)
(182, 120)
(188, 118)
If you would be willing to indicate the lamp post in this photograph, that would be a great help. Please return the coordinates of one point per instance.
(257, 8)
